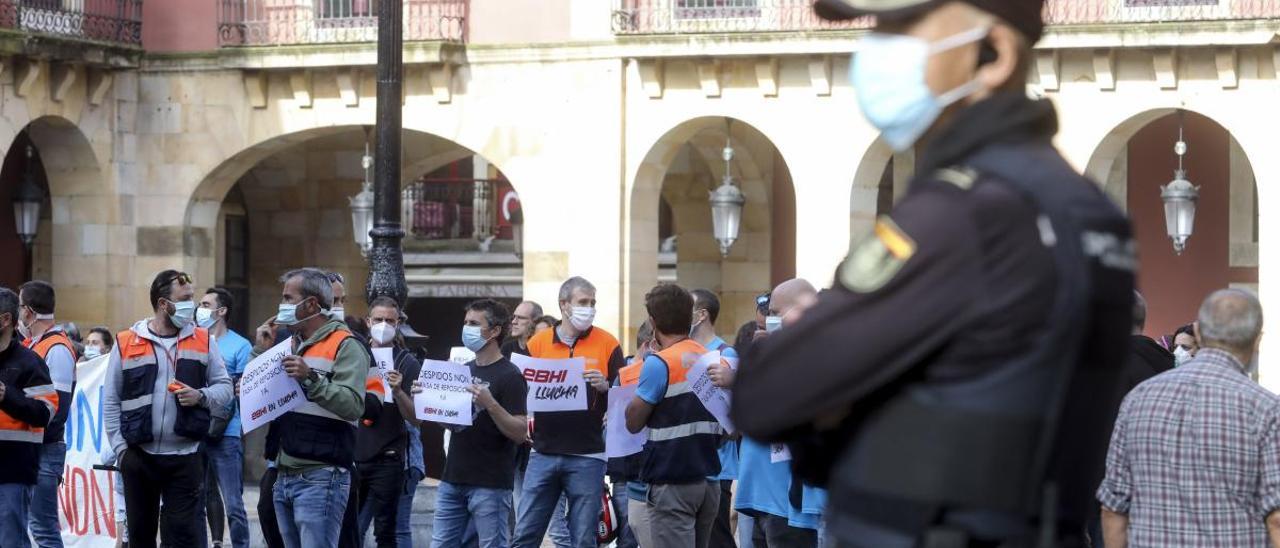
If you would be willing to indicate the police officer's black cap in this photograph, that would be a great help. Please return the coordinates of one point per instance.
(1024, 15)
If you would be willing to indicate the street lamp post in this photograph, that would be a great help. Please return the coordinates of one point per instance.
(26, 207)
(386, 258)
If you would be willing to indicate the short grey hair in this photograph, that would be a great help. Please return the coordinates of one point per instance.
(9, 304)
(572, 284)
(315, 283)
(1231, 319)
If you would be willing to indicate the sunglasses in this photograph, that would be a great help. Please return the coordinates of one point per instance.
(181, 278)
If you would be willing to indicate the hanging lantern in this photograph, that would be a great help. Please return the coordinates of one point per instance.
(1180, 197)
(362, 207)
(726, 203)
(27, 202)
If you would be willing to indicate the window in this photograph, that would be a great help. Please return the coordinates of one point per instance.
(344, 9)
(717, 9)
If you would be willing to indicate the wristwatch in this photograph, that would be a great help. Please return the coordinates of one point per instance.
(313, 377)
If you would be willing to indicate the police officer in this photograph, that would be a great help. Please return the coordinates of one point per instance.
(943, 389)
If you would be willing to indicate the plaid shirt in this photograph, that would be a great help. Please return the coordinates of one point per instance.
(1195, 457)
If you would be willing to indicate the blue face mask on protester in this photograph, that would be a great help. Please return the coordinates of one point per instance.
(183, 313)
(472, 338)
(888, 74)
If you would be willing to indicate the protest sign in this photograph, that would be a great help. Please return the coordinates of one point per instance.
(444, 397)
(384, 359)
(554, 385)
(618, 442)
(714, 398)
(86, 500)
(461, 355)
(266, 392)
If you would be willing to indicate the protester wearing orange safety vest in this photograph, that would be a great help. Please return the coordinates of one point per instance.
(625, 471)
(317, 440)
(162, 381)
(680, 457)
(27, 403)
(36, 301)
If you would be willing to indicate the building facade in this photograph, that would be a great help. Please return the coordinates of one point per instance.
(550, 138)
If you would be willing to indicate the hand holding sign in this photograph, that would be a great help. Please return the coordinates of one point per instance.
(445, 396)
(384, 360)
(619, 442)
(295, 366)
(266, 391)
(714, 398)
(554, 385)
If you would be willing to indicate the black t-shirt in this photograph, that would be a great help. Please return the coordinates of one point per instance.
(512, 346)
(387, 436)
(480, 455)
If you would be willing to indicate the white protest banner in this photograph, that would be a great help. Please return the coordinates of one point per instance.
(266, 392)
(384, 359)
(714, 398)
(778, 452)
(86, 500)
(444, 397)
(554, 385)
(461, 354)
(618, 442)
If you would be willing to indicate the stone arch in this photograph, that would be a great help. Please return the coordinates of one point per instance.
(758, 166)
(321, 210)
(78, 218)
(1137, 156)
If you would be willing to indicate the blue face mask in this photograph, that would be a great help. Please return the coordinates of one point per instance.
(183, 313)
(472, 338)
(888, 74)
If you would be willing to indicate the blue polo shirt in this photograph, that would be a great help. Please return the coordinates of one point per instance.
(235, 352)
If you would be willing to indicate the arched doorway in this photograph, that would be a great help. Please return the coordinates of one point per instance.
(881, 180)
(24, 262)
(1134, 161)
(670, 218)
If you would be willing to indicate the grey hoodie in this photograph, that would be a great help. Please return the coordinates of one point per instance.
(164, 406)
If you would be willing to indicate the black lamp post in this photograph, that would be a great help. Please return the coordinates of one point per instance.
(386, 258)
(26, 207)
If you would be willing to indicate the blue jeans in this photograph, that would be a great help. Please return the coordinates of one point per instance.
(45, 528)
(558, 531)
(15, 501)
(404, 518)
(485, 507)
(581, 479)
(226, 456)
(309, 506)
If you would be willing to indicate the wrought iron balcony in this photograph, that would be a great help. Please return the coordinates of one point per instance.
(291, 22)
(112, 21)
(745, 16)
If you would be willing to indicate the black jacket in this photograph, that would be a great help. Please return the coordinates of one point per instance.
(954, 284)
(23, 372)
(1146, 359)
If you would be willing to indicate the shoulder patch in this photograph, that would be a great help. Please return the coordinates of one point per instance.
(875, 260)
(959, 177)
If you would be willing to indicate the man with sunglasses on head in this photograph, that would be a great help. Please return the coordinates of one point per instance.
(952, 388)
(163, 378)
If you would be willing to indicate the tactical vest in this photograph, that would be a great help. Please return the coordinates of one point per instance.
(627, 468)
(139, 367)
(312, 432)
(683, 435)
(987, 444)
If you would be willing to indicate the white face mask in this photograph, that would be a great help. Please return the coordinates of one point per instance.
(205, 318)
(382, 333)
(772, 323)
(338, 313)
(1181, 356)
(582, 317)
(91, 352)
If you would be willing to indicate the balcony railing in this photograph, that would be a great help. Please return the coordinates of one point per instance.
(459, 209)
(732, 16)
(118, 21)
(290, 22)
